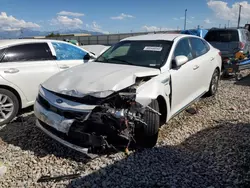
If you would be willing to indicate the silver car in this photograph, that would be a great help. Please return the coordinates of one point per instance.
(229, 40)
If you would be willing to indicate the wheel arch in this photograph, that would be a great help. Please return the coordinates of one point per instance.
(163, 109)
(15, 93)
(218, 69)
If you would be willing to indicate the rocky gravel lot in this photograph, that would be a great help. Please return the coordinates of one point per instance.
(210, 148)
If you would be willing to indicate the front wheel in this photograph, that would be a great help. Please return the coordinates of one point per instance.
(9, 106)
(213, 87)
(148, 135)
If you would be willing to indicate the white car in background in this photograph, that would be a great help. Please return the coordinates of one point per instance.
(26, 63)
(97, 49)
(128, 92)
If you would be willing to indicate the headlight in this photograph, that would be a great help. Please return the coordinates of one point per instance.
(40, 90)
(101, 94)
(73, 93)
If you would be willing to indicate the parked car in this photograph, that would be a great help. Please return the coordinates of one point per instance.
(128, 92)
(97, 49)
(229, 41)
(25, 64)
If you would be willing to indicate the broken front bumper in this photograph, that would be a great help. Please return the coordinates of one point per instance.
(58, 128)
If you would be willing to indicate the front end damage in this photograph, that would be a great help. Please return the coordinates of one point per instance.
(103, 124)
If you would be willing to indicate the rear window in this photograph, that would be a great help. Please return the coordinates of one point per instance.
(222, 36)
(28, 52)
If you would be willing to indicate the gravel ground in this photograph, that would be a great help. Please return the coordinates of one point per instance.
(210, 148)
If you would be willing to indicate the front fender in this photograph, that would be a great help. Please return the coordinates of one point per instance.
(157, 86)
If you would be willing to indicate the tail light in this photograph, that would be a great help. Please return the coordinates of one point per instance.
(242, 45)
(219, 53)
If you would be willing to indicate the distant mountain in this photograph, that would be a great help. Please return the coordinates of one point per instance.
(29, 33)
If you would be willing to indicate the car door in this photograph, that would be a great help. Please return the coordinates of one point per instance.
(203, 68)
(184, 79)
(68, 55)
(27, 66)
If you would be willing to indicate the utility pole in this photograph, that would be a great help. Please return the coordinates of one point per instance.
(185, 20)
(239, 16)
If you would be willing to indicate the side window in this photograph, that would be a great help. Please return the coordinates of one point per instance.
(1, 54)
(68, 52)
(198, 47)
(206, 44)
(28, 52)
(183, 48)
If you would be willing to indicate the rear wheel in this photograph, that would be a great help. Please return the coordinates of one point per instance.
(213, 87)
(148, 135)
(9, 106)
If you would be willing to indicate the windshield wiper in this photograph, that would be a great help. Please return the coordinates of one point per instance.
(121, 60)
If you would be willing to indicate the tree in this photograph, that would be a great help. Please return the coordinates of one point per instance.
(53, 35)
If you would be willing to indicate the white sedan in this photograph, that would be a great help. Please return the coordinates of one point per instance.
(25, 64)
(128, 92)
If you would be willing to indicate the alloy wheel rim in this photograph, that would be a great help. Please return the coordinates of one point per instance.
(215, 83)
(6, 107)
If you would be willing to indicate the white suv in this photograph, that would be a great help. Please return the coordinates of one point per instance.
(128, 92)
(26, 63)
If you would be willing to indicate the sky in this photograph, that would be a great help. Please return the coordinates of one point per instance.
(119, 16)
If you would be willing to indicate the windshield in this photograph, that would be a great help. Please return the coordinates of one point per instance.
(222, 36)
(138, 53)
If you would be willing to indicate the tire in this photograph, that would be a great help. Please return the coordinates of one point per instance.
(213, 87)
(148, 135)
(11, 99)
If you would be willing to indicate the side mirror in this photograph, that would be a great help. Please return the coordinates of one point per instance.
(87, 57)
(180, 60)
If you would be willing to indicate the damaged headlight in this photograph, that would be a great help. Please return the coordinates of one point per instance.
(73, 93)
(101, 94)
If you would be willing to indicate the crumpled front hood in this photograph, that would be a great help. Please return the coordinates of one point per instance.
(94, 77)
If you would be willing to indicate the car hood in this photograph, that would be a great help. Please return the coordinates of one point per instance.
(95, 77)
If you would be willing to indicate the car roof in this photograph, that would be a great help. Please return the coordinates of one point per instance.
(10, 42)
(167, 37)
(225, 29)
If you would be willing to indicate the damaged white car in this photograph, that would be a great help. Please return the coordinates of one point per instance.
(128, 92)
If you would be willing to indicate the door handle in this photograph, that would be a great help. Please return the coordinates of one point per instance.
(212, 58)
(195, 67)
(64, 67)
(11, 71)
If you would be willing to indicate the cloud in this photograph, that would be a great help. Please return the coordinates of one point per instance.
(122, 16)
(65, 21)
(225, 12)
(155, 28)
(66, 13)
(207, 21)
(182, 18)
(10, 23)
(95, 27)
